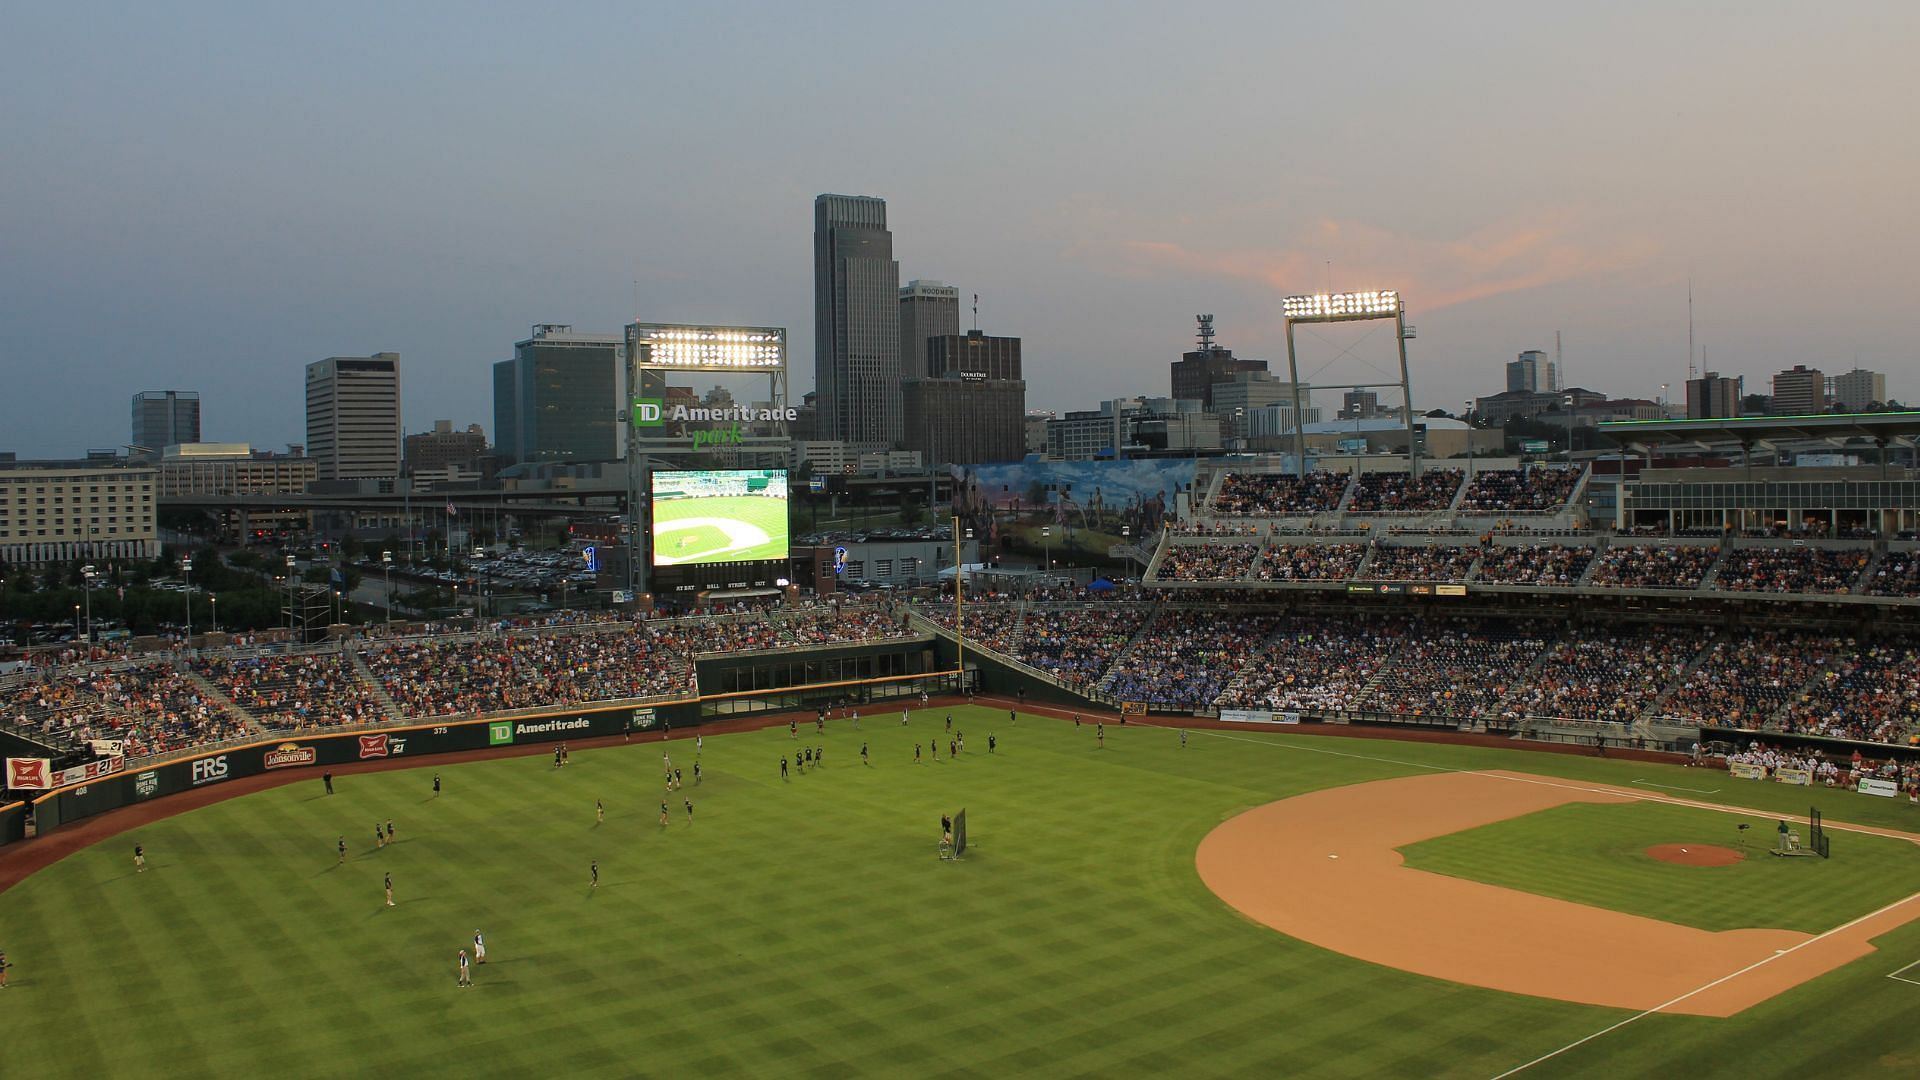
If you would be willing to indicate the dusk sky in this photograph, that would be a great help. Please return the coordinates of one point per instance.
(207, 197)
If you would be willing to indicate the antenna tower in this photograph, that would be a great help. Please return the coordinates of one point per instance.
(1206, 333)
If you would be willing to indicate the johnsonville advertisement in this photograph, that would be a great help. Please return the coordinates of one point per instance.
(1089, 505)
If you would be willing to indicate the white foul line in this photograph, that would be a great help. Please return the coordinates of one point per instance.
(1670, 787)
(1709, 986)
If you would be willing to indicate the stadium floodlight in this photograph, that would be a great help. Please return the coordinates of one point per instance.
(707, 348)
(1338, 307)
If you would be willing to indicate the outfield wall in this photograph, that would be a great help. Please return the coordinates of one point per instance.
(318, 751)
(13, 822)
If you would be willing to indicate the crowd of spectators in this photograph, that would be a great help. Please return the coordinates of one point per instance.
(439, 677)
(1869, 692)
(1207, 562)
(153, 708)
(1431, 562)
(1397, 493)
(1532, 490)
(1654, 566)
(1454, 668)
(1607, 674)
(1748, 676)
(1309, 562)
(1185, 658)
(1279, 494)
(1078, 644)
(1314, 663)
(1792, 570)
(1535, 564)
(299, 691)
(1897, 575)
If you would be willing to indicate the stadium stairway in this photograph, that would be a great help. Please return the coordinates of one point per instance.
(1873, 567)
(1708, 580)
(212, 693)
(1653, 710)
(372, 682)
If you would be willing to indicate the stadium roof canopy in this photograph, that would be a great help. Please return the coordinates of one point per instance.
(1888, 428)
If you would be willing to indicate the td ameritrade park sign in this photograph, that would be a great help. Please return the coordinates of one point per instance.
(726, 423)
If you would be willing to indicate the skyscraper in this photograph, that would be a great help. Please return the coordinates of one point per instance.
(1713, 396)
(969, 404)
(1858, 388)
(163, 418)
(856, 321)
(353, 416)
(1196, 372)
(927, 309)
(561, 398)
(1532, 373)
(1799, 390)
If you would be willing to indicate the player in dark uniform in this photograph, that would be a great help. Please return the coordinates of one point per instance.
(793, 729)
(436, 783)
(594, 883)
(389, 888)
(663, 813)
(990, 743)
(342, 845)
(389, 830)
(3, 970)
(949, 722)
(140, 858)
(953, 749)
(819, 755)
(696, 774)
(1100, 733)
(327, 779)
(916, 753)
(863, 755)
(689, 803)
(783, 768)
(677, 783)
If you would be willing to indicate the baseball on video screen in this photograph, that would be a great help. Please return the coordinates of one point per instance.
(719, 516)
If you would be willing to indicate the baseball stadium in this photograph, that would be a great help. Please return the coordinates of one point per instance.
(1371, 773)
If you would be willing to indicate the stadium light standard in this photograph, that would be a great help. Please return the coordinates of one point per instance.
(481, 589)
(1046, 545)
(290, 567)
(1466, 414)
(1348, 307)
(214, 601)
(386, 563)
(76, 620)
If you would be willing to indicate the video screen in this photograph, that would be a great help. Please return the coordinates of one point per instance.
(719, 516)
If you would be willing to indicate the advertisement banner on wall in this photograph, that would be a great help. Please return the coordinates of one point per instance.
(92, 770)
(1873, 785)
(1286, 718)
(1793, 776)
(1746, 770)
(1247, 716)
(29, 774)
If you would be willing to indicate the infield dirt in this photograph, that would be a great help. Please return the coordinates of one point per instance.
(1322, 867)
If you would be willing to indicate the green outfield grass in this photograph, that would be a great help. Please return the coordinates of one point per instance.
(806, 928)
(707, 542)
(1595, 853)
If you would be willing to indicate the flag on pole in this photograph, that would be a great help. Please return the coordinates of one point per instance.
(452, 511)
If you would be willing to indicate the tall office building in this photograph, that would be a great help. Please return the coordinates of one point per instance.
(1532, 373)
(163, 418)
(856, 321)
(1858, 388)
(1713, 396)
(353, 416)
(561, 398)
(1196, 372)
(1798, 391)
(970, 406)
(928, 309)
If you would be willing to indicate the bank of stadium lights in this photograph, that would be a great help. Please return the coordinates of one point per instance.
(1332, 307)
(711, 347)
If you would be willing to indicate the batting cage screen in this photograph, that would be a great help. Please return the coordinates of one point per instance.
(959, 832)
(1816, 836)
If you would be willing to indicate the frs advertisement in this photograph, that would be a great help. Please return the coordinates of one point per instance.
(209, 770)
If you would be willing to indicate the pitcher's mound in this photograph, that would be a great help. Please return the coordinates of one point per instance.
(1695, 854)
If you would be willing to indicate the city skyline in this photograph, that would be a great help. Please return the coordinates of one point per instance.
(224, 223)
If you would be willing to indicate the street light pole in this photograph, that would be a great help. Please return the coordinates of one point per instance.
(186, 577)
(290, 565)
(215, 602)
(1466, 413)
(86, 586)
(386, 563)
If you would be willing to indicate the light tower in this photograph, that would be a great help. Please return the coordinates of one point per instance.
(1349, 307)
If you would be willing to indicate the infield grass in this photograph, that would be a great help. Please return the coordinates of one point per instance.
(1595, 854)
(804, 928)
